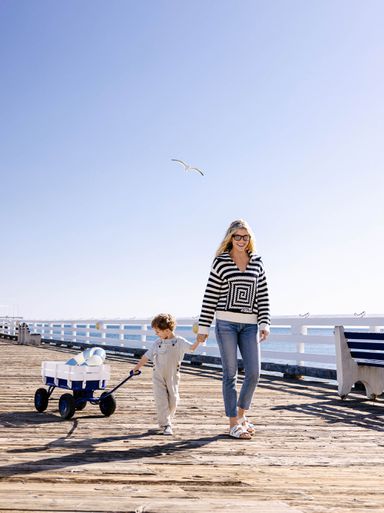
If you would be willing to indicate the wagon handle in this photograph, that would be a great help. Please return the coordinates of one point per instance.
(130, 375)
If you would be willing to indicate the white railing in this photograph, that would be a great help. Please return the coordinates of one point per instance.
(309, 340)
(296, 340)
(9, 325)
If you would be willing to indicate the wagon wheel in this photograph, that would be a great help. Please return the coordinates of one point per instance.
(41, 399)
(67, 406)
(79, 404)
(107, 404)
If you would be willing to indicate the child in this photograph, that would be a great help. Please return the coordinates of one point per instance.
(166, 353)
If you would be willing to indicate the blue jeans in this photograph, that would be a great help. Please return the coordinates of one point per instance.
(230, 336)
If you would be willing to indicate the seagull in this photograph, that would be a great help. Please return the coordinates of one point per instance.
(187, 167)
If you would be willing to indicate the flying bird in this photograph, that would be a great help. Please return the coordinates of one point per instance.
(187, 167)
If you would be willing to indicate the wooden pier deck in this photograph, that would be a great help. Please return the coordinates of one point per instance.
(312, 451)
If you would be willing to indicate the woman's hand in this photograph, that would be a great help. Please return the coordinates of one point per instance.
(263, 335)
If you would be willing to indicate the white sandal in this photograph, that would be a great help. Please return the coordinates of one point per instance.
(239, 432)
(248, 426)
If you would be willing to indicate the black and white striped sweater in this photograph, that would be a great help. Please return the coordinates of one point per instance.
(234, 295)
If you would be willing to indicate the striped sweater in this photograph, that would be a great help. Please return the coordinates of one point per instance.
(234, 295)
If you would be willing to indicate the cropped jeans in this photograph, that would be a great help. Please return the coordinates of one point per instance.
(230, 336)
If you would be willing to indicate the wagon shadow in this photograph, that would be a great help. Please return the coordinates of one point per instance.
(22, 418)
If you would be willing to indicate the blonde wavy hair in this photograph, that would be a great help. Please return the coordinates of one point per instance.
(226, 244)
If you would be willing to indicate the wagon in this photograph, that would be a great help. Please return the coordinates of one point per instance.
(82, 381)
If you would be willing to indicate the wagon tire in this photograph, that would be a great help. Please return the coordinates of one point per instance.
(107, 404)
(67, 406)
(41, 399)
(79, 404)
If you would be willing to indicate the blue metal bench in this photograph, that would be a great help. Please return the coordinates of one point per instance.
(359, 357)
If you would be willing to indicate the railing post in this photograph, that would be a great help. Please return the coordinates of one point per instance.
(298, 330)
(121, 336)
(103, 334)
(144, 327)
(88, 332)
(301, 345)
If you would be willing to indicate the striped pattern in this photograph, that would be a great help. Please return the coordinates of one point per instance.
(230, 290)
(366, 348)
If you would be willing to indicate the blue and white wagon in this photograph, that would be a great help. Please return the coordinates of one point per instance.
(81, 381)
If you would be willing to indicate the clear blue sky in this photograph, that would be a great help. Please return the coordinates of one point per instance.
(279, 102)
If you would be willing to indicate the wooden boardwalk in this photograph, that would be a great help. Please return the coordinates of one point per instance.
(312, 452)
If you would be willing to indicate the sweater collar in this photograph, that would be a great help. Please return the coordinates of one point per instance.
(227, 256)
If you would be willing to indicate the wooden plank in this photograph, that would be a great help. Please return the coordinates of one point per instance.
(312, 452)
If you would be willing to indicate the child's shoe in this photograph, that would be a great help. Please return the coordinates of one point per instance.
(167, 430)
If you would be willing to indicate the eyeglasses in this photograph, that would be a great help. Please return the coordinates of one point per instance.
(245, 238)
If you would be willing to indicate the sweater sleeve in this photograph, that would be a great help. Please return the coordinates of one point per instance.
(210, 300)
(262, 299)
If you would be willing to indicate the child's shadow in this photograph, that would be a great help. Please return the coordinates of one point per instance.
(86, 452)
(87, 445)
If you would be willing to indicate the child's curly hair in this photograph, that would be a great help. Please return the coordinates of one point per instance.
(164, 321)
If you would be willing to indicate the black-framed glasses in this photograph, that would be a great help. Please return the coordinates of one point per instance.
(245, 238)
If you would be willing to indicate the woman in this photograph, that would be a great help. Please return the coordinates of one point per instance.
(237, 293)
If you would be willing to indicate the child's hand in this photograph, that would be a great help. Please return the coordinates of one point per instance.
(136, 370)
(195, 345)
(200, 339)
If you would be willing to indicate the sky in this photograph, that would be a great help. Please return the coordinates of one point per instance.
(279, 102)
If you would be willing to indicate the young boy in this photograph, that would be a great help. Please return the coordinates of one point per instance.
(166, 353)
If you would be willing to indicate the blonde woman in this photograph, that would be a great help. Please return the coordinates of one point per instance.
(237, 294)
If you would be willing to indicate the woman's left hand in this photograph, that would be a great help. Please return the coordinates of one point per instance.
(263, 335)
